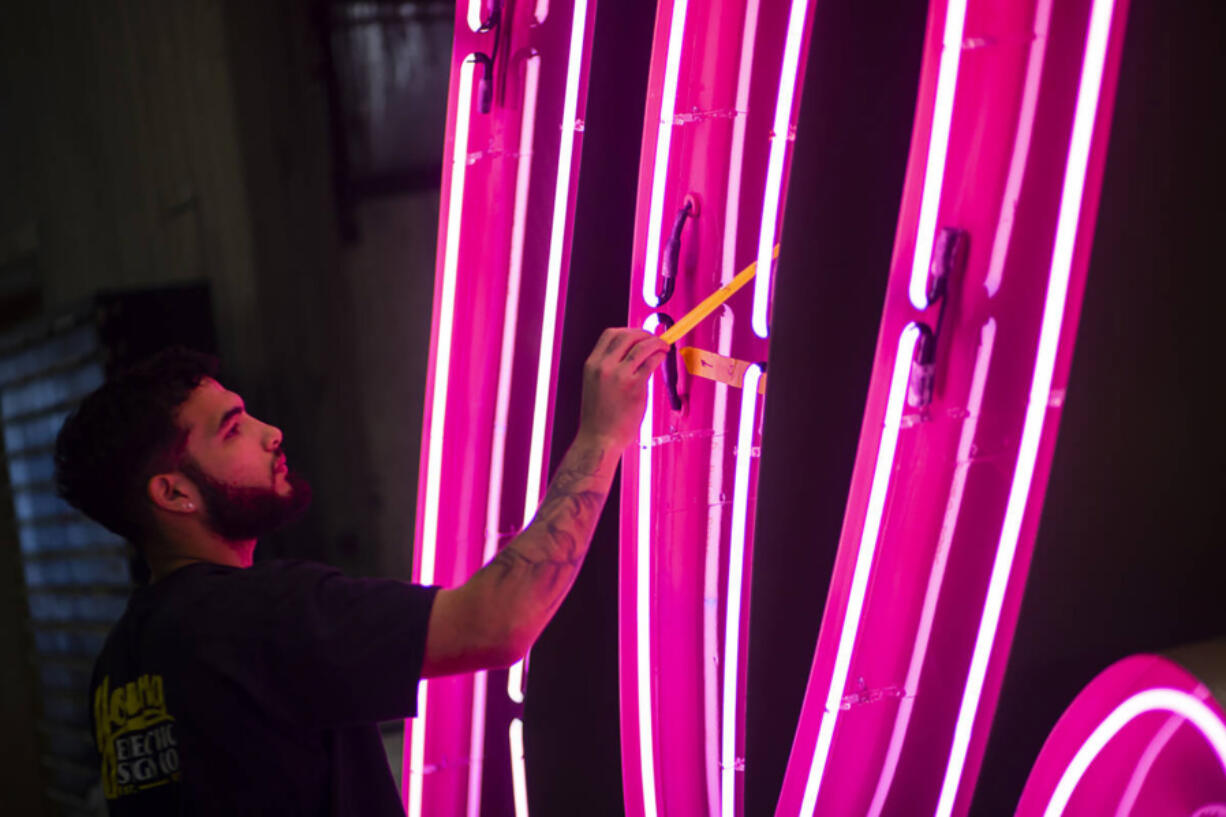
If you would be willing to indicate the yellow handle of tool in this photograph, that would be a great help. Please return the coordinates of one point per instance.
(696, 315)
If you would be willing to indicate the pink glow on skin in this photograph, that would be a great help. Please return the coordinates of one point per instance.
(438, 411)
(1160, 699)
(736, 573)
(664, 137)
(864, 561)
(979, 377)
(938, 150)
(1021, 148)
(643, 597)
(780, 139)
(1067, 222)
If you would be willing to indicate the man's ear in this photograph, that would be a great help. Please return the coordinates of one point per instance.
(173, 492)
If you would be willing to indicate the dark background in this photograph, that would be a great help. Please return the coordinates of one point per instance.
(146, 143)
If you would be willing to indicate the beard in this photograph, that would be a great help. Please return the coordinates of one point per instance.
(238, 513)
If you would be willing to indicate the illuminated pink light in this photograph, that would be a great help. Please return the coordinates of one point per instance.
(1146, 763)
(519, 780)
(643, 597)
(1021, 148)
(1164, 699)
(979, 377)
(1040, 390)
(515, 682)
(736, 161)
(710, 595)
(476, 10)
(557, 241)
(438, 408)
(736, 571)
(864, 562)
(715, 483)
(780, 138)
(510, 319)
(938, 149)
(541, 11)
(664, 136)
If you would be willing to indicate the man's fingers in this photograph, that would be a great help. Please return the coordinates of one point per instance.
(643, 350)
(652, 360)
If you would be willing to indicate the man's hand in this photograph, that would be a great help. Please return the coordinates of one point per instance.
(615, 383)
(492, 619)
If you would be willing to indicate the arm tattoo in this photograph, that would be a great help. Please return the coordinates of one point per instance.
(546, 556)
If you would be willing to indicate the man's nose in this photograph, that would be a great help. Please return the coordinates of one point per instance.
(272, 437)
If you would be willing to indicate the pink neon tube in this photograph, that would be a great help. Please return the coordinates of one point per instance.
(724, 74)
(1144, 737)
(1010, 153)
(470, 403)
(1068, 221)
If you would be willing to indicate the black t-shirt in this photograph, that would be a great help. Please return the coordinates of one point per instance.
(234, 691)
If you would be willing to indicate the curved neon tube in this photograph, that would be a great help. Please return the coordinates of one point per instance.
(736, 568)
(780, 137)
(438, 406)
(664, 139)
(878, 490)
(1067, 221)
(642, 598)
(938, 150)
(1163, 699)
(475, 8)
(736, 161)
(541, 11)
(979, 378)
(1146, 763)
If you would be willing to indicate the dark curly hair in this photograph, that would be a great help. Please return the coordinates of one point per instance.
(124, 433)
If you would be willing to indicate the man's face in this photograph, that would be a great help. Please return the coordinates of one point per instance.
(237, 464)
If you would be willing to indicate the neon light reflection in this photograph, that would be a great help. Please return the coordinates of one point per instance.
(642, 597)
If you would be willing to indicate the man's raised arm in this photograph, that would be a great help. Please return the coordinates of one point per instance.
(492, 619)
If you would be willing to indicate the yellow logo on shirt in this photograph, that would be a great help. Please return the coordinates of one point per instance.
(135, 736)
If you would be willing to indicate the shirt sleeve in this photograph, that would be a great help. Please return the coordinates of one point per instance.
(321, 648)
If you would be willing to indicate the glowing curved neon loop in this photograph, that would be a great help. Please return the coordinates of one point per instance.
(1040, 390)
(438, 407)
(664, 137)
(1146, 763)
(1164, 699)
(780, 138)
(736, 569)
(642, 597)
(974, 403)
(878, 491)
(476, 9)
(938, 150)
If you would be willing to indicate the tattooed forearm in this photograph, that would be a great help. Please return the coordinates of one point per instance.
(537, 567)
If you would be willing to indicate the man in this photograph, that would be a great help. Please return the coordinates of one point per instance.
(233, 688)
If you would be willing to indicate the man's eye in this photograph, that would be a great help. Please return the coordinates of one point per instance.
(233, 430)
